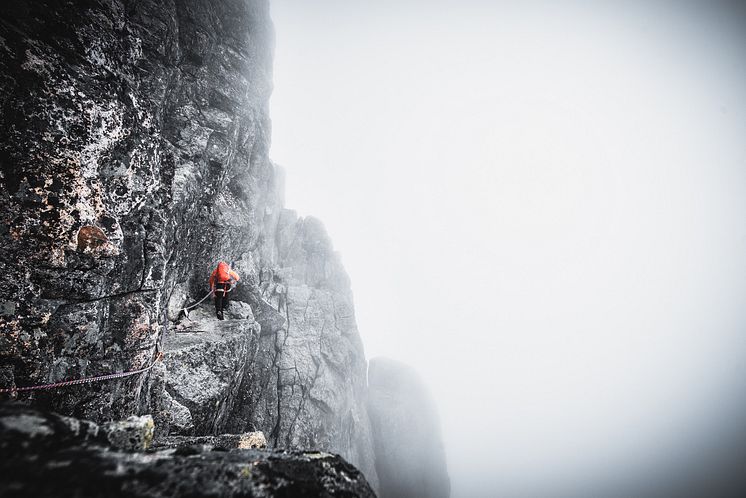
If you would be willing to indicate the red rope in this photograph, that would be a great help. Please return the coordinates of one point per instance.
(84, 380)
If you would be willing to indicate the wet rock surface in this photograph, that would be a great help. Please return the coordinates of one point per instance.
(410, 459)
(49, 455)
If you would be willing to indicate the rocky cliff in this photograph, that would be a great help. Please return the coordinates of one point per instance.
(410, 458)
(134, 140)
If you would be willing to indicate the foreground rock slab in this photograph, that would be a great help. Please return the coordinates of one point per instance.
(48, 455)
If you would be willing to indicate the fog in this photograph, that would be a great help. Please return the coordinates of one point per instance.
(541, 209)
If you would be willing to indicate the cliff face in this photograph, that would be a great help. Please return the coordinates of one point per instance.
(295, 369)
(133, 143)
(306, 387)
(410, 459)
(133, 151)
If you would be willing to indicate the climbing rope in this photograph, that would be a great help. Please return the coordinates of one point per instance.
(84, 380)
(186, 310)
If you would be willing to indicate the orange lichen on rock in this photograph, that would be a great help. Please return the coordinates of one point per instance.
(91, 238)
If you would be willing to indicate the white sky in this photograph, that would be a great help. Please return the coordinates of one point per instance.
(541, 209)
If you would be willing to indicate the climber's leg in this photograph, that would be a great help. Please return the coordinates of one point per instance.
(226, 296)
(219, 301)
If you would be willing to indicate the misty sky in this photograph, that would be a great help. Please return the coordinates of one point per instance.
(541, 209)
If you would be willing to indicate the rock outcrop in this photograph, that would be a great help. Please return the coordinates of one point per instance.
(134, 143)
(204, 364)
(306, 387)
(46, 455)
(294, 368)
(410, 459)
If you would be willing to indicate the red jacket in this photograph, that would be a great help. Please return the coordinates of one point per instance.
(223, 274)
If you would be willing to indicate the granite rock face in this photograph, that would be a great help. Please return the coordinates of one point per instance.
(133, 154)
(410, 459)
(293, 369)
(134, 140)
(204, 367)
(306, 387)
(48, 455)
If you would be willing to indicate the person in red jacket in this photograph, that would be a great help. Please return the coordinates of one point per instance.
(221, 281)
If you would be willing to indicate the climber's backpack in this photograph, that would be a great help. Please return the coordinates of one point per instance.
(223, 274)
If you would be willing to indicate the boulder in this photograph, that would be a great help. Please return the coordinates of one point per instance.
(134, 433)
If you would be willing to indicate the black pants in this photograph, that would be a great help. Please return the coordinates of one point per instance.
(221, 298)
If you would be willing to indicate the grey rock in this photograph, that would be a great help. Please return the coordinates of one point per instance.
(178, 301)
(31, 428)
(7, 379)
(7, 308)
(410, 459)
(306, 386)
(133, 154)
(253, 440)
(60, 462)
(134, 433)
(238, 310)
(134, 142)
(205, 365)
(177, 417)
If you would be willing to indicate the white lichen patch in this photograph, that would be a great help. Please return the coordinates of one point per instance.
(318, 455)
(57, 257)
(136, 47)
(105, 130)
(96, 56)
(143, 116)
(35, 63)
(252, 440)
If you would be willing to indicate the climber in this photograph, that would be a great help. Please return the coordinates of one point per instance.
(221, 283)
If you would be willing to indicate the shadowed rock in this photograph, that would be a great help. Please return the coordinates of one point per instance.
(45, 455)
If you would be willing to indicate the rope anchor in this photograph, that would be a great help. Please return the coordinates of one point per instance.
(84, 380)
